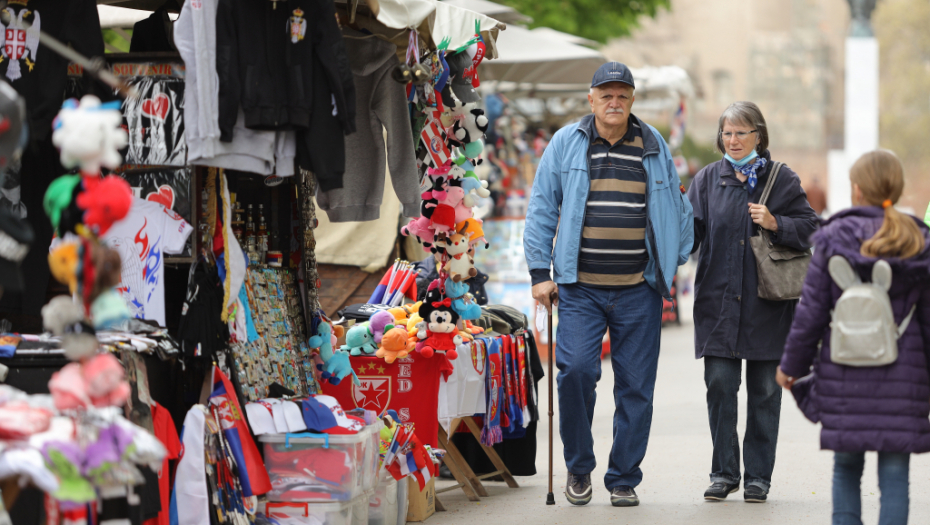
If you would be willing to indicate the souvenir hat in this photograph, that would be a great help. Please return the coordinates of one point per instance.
(324, 414)
(260, 418)
(15, 238)
(460, 86)
(613, 72)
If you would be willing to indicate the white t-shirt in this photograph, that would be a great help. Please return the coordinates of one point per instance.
(142, 239)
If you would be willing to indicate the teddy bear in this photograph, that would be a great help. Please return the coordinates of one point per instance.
(395, 344)
(359, 339)
(460, 265)
(439, 329)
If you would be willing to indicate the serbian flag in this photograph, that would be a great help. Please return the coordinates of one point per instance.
(252, 474)
(435, 143)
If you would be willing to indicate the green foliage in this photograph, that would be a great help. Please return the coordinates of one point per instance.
(113, 38)
(598, 20)
(702, 151)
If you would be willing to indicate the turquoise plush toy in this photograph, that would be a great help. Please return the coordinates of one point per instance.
(468, 311)
(359, 340)
(336, 365)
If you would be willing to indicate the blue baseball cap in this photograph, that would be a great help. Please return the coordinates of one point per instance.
(613, 72)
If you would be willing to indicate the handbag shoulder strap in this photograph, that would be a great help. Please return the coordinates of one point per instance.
(776, 167)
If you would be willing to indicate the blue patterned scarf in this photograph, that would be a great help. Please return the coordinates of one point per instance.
(750, 170)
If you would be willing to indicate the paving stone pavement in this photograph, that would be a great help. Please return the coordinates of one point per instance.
(677, 464)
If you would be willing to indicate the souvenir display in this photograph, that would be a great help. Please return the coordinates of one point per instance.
(279, 353)
(237, 343)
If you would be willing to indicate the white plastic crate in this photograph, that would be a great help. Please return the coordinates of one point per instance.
(321, 467)
(352, 512)
(384, 501)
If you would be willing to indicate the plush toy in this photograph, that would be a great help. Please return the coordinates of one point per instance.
(473, 229)
(105, 380)
(336, 365)
(461, 300)
(395, 344)
(359, 339)
(104, 201)
(438, 330)
(400, 315)
(378, 322)
(109, 310)
(460, 265)
(470, 123)
(63, 262)
(89, 135)
(60, 206)
(65, 318)
(421, 229)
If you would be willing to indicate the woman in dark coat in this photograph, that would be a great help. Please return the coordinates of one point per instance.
(882, 408)
(731, 323)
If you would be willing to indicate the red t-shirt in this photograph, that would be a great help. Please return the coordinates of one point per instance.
(166, 432)
(409, 385)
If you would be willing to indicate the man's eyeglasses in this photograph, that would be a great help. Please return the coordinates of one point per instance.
(739, 134)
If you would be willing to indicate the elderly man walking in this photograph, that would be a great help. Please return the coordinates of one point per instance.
(608, 186)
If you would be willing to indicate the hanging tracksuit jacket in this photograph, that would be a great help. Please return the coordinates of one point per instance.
(285, 64)
(261, 152)
(382, 108)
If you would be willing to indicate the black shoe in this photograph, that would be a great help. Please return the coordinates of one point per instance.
(578, 489)
(719, 490)
(754, 494)
(444, 472)
(624, 496)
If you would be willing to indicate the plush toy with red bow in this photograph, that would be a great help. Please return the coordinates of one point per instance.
(438, 330)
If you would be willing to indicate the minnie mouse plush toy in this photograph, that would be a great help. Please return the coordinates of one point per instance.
(438, 329)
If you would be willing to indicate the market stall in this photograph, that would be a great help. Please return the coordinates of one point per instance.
(184, 285)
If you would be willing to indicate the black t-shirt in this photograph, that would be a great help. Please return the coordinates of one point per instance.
(35, 71)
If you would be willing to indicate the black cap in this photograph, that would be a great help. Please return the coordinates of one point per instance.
(613, 72)
(460, 85)
(15, 238)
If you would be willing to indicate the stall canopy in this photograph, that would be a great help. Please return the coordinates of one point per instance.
(503, 13)
(534, 57)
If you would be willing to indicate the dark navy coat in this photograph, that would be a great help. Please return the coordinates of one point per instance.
(863, 408)
(730, 320)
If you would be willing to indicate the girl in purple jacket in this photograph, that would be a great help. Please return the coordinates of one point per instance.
(883, 408)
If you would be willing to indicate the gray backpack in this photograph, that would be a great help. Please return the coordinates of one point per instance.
(863, 331)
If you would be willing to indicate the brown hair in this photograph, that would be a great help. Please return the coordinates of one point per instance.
(880, 176)
(746, 113)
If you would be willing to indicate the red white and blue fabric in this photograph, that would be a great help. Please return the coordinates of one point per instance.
(252, 474)
(491, 433)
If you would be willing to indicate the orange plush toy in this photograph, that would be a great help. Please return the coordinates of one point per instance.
(395, 344)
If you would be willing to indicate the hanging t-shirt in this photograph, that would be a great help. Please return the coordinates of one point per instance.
(167, 433)
(142, 239)
(464, 392)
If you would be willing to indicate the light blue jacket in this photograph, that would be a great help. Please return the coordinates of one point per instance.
(560, 195)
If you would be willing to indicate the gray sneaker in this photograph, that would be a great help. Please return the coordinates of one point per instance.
(623, 496)
(578, 489)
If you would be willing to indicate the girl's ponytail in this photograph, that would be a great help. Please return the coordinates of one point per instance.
(880, 177)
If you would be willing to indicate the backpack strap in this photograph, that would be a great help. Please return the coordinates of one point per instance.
(906, 321)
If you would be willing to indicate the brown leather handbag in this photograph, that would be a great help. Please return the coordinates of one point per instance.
(780, 269)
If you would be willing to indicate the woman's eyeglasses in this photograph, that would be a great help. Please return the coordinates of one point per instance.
(739, 134)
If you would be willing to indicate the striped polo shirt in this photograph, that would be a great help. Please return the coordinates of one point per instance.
(613, 241)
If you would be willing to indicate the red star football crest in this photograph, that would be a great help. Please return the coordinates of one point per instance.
(374, 393)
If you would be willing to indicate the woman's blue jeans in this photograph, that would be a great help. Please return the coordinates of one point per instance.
(893, 469)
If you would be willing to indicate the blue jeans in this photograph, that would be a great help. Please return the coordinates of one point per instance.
(723, 377)
(634, 318)
(893, 468)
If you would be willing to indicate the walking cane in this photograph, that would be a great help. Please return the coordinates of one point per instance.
(550, 498)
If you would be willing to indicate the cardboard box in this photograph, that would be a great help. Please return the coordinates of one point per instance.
(420, 505)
